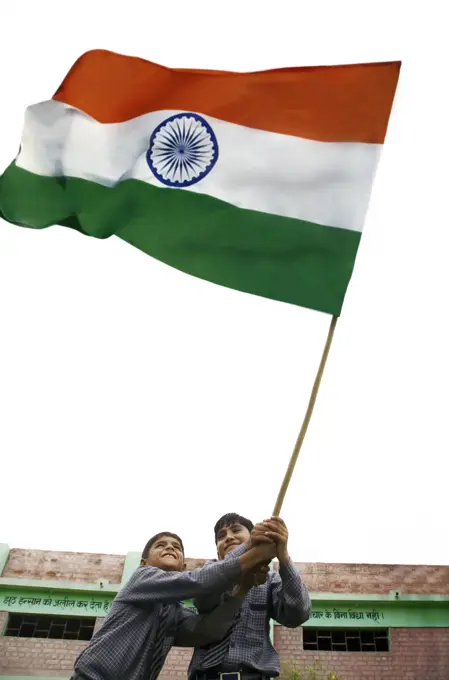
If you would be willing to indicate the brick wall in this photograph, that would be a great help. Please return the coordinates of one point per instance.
(320, 577)
(55, 658)
(376, 578)
(369, 578)
(63, 566)
(176, 663)
(416, 654)
(31, 656)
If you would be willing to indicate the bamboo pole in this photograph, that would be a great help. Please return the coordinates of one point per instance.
(306, 421)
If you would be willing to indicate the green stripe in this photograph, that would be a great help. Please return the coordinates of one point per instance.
(276, 257)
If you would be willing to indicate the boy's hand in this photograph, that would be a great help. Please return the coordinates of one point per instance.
(276, 529)
(259, 534)
(265, 551)
(257, 555)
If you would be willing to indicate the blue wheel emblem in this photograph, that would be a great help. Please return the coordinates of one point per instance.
(183, 150)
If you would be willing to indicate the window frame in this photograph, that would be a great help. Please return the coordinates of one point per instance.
(53, 621)
(352, 632)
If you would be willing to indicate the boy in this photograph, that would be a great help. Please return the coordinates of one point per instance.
(247, 649)
(146, 618)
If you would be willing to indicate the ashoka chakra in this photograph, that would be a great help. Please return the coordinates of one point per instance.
(183, 150)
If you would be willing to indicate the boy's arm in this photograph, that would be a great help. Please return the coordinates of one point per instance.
(197, 630)
(290, 600)
(208, 602)
(150, 584)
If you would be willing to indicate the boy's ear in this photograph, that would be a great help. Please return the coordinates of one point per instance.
(184, 566)
(143, 562)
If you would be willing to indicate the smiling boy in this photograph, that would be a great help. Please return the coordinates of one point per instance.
(247, 649)
(147, 618)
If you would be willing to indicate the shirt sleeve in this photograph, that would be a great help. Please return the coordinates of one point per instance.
(290, 601)
(149, 584)
(206, 602)
(197, 630)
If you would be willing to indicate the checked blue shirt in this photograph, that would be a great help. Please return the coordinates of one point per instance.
(128, 647)
(284, 598)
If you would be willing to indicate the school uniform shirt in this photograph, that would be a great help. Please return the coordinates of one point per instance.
(123, 647)
(284, 597)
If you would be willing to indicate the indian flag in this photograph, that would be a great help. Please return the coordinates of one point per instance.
(255, 181)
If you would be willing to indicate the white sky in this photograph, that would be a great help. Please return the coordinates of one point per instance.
(134, 398)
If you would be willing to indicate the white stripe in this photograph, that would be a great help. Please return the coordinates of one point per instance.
(323, 182)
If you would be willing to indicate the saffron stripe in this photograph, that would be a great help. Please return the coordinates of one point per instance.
(349, 103)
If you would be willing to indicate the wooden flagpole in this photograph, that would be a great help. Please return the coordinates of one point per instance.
(306, 421)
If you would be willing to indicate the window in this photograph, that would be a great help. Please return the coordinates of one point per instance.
(351, 640)
(56, 627)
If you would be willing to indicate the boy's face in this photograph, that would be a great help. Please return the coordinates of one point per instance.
(229, 537)
(166, 553)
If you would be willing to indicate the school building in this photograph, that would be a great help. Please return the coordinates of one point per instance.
(369, 622)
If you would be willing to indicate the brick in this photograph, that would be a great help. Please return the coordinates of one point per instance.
(415, 654)
(63, 566)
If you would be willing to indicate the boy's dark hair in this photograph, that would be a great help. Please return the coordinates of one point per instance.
(155, 538)
(232, 518)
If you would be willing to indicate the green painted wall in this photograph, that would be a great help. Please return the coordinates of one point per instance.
(4, 552)
(132, 561)
(361, 611)
(329, 609)
(44, 601)
(30, 677)
(397, 614)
